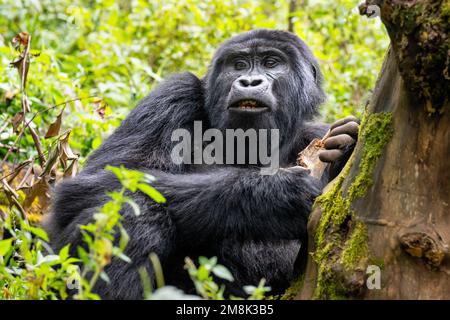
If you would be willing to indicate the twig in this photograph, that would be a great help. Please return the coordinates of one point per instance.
(26, 58)
(4, 125)
(17, 170)
(13, 196)
(32, 159)
(25, 105)
(26, 124)
(38, 144)
(14, 149)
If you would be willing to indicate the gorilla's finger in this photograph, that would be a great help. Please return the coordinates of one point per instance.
(339, 141)
(330, 155)
(351, 128)
(343, 121)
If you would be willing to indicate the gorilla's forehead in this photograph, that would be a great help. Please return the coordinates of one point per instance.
(254, 50)
(257, 47)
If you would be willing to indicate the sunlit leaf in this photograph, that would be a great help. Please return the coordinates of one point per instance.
(202, 273)
(152, 192)
(64, 252)
(222, 272)
(5, 245)
(133, 205)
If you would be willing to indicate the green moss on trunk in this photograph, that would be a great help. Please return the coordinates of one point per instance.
(294, 289)
(355, 248)
(341, 242)
(419, 31)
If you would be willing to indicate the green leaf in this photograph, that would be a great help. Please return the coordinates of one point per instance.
(64, 253)
(5, 245)
(249, 289)
(69, 261)
(96, 142)
(123, 257)
(133, 205)
(124, 238)
(152, 193)
(149, 178)
(202, 273)
(38, 232)
(212, 285)
(208, 263)
(50, 259)
(116, 171)
(84, 256)
(105, 277)
(222, 272)
(203, 260)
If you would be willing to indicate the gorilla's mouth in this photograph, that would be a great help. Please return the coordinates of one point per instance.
(249, 105)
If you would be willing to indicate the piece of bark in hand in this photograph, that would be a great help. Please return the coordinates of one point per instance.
(309, 158)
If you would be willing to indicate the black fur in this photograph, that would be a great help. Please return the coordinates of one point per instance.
(252, 223)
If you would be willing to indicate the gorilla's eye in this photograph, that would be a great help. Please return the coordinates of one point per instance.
(270, 63)
(240, 65)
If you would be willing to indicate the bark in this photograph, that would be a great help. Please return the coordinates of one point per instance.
(390, 206)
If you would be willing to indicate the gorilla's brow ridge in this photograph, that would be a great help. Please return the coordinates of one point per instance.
(233, 53)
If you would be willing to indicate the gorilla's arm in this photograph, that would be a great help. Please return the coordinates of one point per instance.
(216, 204)
(144, 138)
(239, 203)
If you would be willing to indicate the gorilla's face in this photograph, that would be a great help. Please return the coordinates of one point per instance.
(263, 79)
(252, 76)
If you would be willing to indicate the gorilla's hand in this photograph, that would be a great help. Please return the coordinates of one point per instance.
(340, 143)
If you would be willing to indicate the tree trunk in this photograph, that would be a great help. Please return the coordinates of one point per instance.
(387, 215)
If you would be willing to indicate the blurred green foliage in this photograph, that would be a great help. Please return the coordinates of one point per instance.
(118, 50)
(29, 269)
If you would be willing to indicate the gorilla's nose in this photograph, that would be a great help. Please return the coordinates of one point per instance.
(250, 82)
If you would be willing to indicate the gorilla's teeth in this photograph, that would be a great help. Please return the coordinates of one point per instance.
(247, 104)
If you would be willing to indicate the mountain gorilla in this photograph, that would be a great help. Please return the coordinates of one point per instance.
(253, 223)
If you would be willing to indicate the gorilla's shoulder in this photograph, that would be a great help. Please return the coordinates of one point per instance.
(177, 85)
(178, 92)
(184, 77)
